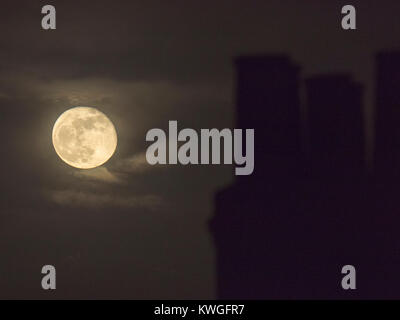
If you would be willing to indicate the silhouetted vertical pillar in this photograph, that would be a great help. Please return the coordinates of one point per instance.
(335, 111)
(254, 216)
(387, 143)
(268, 101)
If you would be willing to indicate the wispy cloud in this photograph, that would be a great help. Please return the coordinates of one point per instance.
(135, 164)
(74, 198)
(99, 174)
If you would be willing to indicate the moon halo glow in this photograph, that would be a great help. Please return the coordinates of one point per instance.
(84, 137)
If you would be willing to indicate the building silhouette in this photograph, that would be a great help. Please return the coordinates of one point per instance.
(255, 215)
(335, 113)
(267, 100)
(387, 141)
(384, 198)
(286, 231)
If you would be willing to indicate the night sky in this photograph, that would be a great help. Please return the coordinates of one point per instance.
(127, 229)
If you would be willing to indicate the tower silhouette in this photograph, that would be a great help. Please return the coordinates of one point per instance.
(253, 217)
(384, 196)
(286, 232)
(267, 100)
(335, 126)
(387, 143)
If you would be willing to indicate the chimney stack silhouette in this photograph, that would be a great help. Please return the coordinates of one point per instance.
(268, 101)
(335, 113)
(278, 233)
(387, 125)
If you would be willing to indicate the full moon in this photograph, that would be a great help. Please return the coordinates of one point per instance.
(84, 137)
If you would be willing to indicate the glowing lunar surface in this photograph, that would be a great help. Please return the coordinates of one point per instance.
(84, 137)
